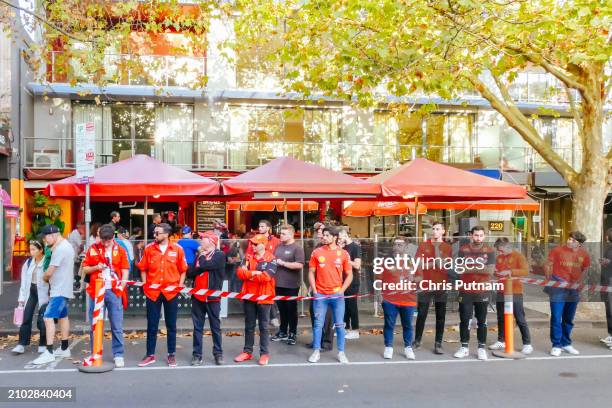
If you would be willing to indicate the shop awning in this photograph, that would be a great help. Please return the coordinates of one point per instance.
(381, 208)
(271, 205)
(431, 181)
(286, 175)
(525, 204)
(135, 178)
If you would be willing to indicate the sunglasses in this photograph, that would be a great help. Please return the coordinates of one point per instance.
(159, 233)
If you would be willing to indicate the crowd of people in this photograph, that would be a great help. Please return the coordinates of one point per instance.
(273, 266)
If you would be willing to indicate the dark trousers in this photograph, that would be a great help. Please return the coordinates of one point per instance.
(467, 309)
(608, 305)
(351, 311)
(327, 339)
(153, 316)
(252, 313)
(424, 300)
(199, 311)
(25, 331)
(288, 310)
(519, 316)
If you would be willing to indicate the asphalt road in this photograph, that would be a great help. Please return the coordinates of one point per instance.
(369, 380)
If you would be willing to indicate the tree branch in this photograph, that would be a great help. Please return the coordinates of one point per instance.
(575, 113)
(520, 123)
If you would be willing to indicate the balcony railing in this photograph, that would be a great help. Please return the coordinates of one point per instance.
(240, 156)
(130, 69)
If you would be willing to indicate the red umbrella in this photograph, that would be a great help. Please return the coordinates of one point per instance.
(135, 178)
(289, 176)
(431, 181)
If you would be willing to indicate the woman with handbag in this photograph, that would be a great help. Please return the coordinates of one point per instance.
(32, 293)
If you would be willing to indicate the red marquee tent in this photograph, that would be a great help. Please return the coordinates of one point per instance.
(135, 178)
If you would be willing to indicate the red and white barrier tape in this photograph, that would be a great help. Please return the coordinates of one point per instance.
(567, 285)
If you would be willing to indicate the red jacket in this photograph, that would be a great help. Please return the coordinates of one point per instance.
(257, 285)
(95, 255)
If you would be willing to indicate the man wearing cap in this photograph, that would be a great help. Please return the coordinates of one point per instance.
(190, 246)
(162, 263)
(60, 275)
(257, 272)
(208, 274)
(109, 261)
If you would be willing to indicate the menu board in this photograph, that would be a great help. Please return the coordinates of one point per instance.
(207, 212)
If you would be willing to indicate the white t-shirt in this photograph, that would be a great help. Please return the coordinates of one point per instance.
(61, 281)
(163, 248)
(106, 272)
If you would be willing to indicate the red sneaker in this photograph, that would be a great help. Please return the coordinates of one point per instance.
(264, 360)
(148, 360)
(243, 357)
(171, 360)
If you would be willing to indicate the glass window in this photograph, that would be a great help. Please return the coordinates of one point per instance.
(499, 144)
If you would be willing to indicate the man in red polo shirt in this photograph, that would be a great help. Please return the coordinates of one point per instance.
(109, 261)
(265, 228)
(162, 263)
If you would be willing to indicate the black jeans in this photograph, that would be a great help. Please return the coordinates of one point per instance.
(327, 338)
(519, 316)
(153, 316)
(468, 306)
(252, 313)
(25, 331)
(424, 300)
(608, 305)
(288, 310)
(199, 311)
(351, 311)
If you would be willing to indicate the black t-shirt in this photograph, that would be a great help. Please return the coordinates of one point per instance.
(354, 251)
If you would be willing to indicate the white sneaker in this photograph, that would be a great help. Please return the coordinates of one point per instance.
(352, 335)
(498, 345)
(482, 354)
(462, 352)
(61, 353)
(18, 349)
(571, 350)
(314, 357)
(527, 349)
(275, 322)
(607, 340)
(388, 354)
(119, 362)
(409, 353)
(342, 358)
(41, 349)
(44, 358)
(555, 352)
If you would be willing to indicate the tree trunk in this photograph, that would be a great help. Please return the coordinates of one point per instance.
(590, 193)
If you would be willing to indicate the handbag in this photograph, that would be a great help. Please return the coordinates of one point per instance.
(18, 316)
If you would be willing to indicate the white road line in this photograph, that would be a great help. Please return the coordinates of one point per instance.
(50, 366)
(333, 364)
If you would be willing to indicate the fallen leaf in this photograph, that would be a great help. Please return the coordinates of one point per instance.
(233, 334)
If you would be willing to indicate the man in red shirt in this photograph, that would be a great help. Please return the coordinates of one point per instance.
(107, 260)
(567, 264)
(208, 273)
(475, 301)
(437, 252)
(162, 263)
(257, 273)
(265, 228)
(329, 273)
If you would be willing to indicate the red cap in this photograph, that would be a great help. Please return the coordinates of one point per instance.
(214, 238)
(259, 239)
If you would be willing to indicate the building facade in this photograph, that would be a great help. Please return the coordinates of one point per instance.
(241, 120)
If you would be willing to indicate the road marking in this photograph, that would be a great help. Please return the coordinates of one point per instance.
(50, 366)
(356, 363)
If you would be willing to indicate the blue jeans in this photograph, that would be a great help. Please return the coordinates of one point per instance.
(391, 311)
(153, 316)
(562, 322)
(114, 307)
(320, 306)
